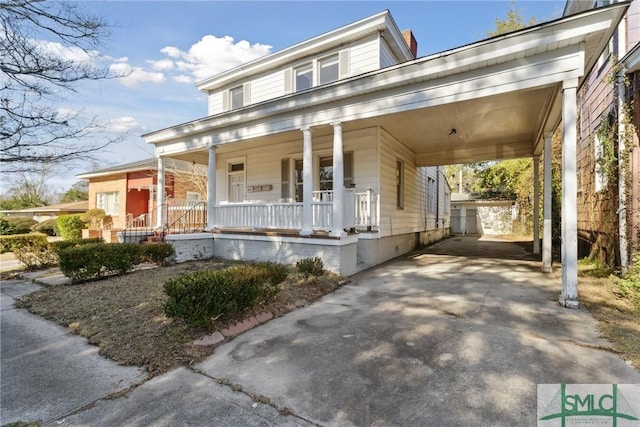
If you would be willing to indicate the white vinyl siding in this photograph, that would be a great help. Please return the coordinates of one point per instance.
(267, 87)
(394, 221)
(387, 59)
(216, 104)
(364, 57)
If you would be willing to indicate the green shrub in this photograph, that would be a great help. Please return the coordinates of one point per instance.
(6, 227)
(11, 243)
(20, 224)
(310, 267)
(204, 295)
(36, 255)
(94, 218)
(47, 227)
(95, 260)
(157, 252)
(64, 244)
(70, 226)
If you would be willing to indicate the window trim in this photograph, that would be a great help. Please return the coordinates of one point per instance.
(105, 206)
(236, 90)
(400, 184)
(309, 67)
(331, 57)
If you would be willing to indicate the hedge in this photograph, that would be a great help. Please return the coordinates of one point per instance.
(85, 260)
(10, 243)
(16, 225)
(47, 227)
(201, 296)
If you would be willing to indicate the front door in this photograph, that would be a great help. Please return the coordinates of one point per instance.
(236, 180)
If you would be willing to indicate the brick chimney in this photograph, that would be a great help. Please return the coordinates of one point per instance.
(411, 42)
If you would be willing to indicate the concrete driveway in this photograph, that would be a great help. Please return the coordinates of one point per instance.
(431, 339)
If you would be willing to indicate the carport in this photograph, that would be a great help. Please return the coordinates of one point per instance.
(496, 99)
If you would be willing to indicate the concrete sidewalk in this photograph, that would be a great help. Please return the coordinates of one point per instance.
(48, 372)
(428, 339)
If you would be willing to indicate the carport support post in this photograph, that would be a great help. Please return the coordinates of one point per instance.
(307, 183)
(337, 229)
(536, 205)
(569, 295)
(160, 194)
(546, 234)
(211, 188)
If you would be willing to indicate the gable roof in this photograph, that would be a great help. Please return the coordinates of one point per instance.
(381, 23)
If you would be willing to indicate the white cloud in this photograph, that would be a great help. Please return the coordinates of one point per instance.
(134, 75)
(209, 56)
(122, 124)
(161, 65)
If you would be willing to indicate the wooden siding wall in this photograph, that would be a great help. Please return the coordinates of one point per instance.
(387, 59)
(364, 56)
(393, 220)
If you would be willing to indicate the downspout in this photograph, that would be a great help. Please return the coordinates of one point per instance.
(622, 158)
(437, 196)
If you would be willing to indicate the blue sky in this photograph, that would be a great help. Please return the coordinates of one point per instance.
(167, 46)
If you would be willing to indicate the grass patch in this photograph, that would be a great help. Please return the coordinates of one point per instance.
(617, 309)
(123, 315)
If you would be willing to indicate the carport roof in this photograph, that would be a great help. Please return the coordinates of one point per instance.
(501, 96)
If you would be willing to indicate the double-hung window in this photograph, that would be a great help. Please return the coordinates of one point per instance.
(236, 96)
(108, 202)
(303, 77)
(328, 69)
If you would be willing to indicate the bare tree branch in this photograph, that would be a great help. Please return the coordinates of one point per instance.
(46, 49)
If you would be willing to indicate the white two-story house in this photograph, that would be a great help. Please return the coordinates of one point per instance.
(332, 147)
(275, 190)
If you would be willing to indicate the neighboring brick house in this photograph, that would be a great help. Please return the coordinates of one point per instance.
(607, 224)
(129, 191)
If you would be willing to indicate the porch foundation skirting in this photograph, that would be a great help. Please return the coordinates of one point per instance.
(338, 255)
(373, 250)
(345, 256)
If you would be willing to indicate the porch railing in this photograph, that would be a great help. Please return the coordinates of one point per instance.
(360, 212)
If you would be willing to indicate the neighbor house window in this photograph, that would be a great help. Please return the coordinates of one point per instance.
(193, 198)
(328, 69)
(237, 97)
(399, 184)
(108, 202)
(600, 174)
(303, 77)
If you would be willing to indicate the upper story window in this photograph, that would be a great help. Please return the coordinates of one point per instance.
(303, 77)
(236, 96)
(328, 69)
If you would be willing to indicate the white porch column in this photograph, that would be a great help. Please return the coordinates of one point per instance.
(546, 234)
(536, 205)
(338, 182)
(211, 189)
(569, 294)
(160, 189)
(307, 184)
